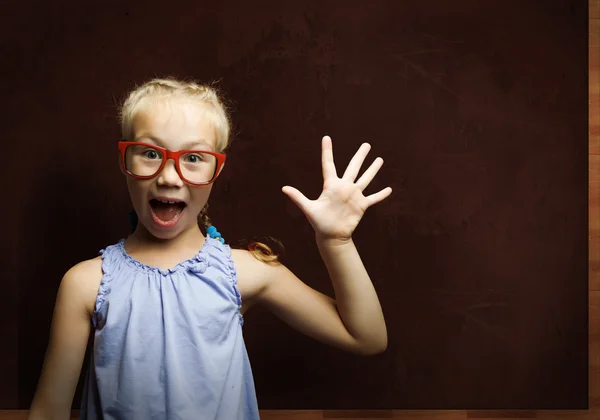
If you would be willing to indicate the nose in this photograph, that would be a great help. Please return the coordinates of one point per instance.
(169, 175)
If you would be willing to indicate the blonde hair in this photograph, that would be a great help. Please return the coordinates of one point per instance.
(160, 89)
(216, 111)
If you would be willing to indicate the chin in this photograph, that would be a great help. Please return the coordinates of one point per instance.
(182, 226)
(164, 235)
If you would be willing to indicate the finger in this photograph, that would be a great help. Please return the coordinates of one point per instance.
(369, 174)
(378, 197)
(356, 162)
(296, 196)
(327, 163)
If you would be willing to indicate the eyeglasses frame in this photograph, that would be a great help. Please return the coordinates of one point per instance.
(168, 154)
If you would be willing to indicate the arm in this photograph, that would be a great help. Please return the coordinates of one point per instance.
(357, 301)
(69, 336)
(355, 320)
(353, 323)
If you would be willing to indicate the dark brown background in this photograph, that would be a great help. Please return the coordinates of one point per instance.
(478, 108)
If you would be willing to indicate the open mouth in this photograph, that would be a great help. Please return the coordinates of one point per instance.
(167, 211)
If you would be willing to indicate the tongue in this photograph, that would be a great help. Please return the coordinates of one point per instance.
(166, 212)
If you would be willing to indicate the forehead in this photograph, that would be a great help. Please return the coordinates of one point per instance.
(174, 123)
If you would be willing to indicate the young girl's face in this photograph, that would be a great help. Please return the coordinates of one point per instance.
(175, 124)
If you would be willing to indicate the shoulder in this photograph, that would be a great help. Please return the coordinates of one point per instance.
(81, 282)
(253, 276)
(249, 267)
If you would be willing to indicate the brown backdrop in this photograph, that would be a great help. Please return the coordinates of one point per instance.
(480, 257)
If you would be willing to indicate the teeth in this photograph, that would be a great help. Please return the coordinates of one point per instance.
(168, 202)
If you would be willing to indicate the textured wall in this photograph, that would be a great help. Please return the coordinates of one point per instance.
(478, 108)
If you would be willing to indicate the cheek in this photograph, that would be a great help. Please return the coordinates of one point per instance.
(137, 189)
(200, 197)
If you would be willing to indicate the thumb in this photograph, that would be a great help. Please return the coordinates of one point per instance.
(296, 196)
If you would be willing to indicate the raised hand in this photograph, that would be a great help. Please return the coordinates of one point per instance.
(341, 205)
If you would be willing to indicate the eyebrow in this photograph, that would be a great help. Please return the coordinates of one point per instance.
(186, 146)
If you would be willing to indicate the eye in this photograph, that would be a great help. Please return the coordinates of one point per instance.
(151, 154)
(193, 158)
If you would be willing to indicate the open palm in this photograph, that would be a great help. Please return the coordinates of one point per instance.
(341, 205)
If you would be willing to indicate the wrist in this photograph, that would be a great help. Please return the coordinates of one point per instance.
(333, 242)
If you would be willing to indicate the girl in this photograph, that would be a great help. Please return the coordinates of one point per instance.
(166, 304)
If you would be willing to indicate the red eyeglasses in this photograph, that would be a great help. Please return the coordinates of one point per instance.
(145, 161)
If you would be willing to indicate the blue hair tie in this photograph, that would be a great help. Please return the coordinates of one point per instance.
(214, 233)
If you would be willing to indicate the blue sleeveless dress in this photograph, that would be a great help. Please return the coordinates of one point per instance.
(168, 343)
